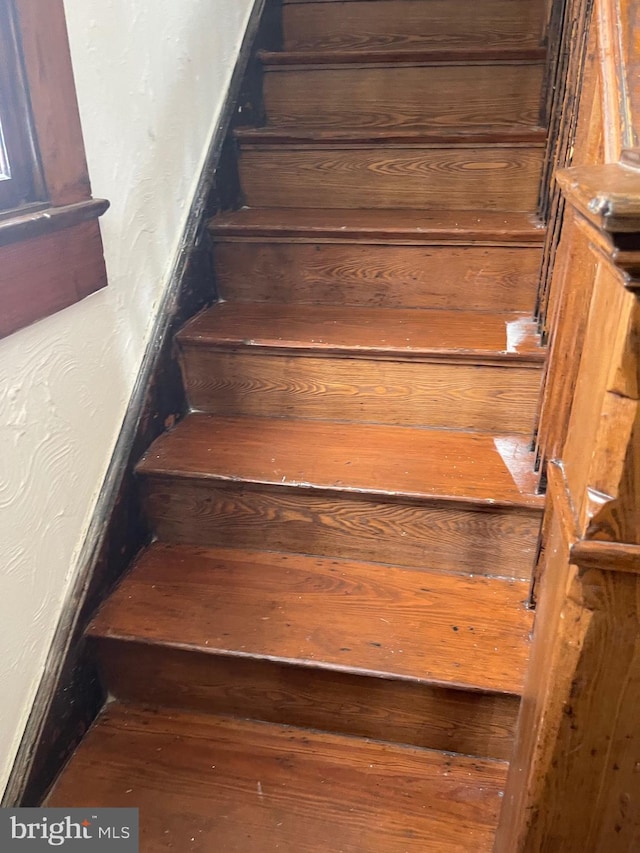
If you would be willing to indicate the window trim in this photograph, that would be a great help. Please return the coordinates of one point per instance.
(50, 253)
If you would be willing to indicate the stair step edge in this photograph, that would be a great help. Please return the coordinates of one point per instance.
(411, 227)
(96, 634)
(185, 453)
(282, 60)
(420, 138)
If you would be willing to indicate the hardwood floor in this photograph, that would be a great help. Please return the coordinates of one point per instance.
(324, 646)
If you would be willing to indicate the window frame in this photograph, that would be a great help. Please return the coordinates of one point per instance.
(51, 251)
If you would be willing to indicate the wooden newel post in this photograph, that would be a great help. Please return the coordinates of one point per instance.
(574, 783)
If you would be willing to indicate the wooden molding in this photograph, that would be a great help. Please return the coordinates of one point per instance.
(47, 220)
(607, 195)
(49, 72)
(606, 556)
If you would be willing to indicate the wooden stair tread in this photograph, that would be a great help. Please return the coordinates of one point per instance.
(414, 226)
(450, 630)
(257, 787)
(398, 333)
(462, 55)
(422, 137)
(357, 459)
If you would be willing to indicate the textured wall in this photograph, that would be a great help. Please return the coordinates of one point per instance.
(151, 78)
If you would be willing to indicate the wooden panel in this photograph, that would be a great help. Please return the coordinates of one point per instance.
(444, 277)
(606, 326)
(404, 97)
(574, 776)
(435, 395)
(547, 682)
(456, 178)
(408, 227)
(574, 276)
(44, 274)
(237, 603)
(53, 99)
(411, 23)
(404, 711)
(414, 534)
(245, 786)
(349, 458)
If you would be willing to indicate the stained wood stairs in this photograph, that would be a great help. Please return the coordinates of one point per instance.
(324, 648)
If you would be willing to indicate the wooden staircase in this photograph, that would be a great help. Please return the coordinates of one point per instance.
(324, 648)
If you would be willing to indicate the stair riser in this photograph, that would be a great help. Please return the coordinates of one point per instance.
(411, 24)
(450, 96)
(415, 534)
(483, 278)
(455, 396)
(383, 709)
(486, 178)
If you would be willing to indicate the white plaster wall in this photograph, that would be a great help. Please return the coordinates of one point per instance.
(151, 77)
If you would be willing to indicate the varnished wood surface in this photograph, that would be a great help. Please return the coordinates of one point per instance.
(399, 24)
(210, 783)
(460, 177)
(381, 226)
(444, 629)
(482, 278)
(396, 710)
(435, 394)
(608, 195)
(448, 96)
(458, 55)
(447, 538)
(420, 137)
(454, 335)
(362, 459)
(44, 274)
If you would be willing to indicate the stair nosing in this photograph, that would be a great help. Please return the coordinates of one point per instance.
(309, 350)
(264, 137)
(301, 663)
(274, 61)
(293, 487)
(192, 336)
(282, 230)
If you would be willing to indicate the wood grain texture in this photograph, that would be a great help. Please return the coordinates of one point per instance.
(401, 711)
(408, 227)
(404, 97)
(372, 332)
(476, 469)
(44, 274)
(447, 396)
(455, 178)
(408, 533)
(245, 786)
(478, 278)
(328, 614)
(400, 24)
